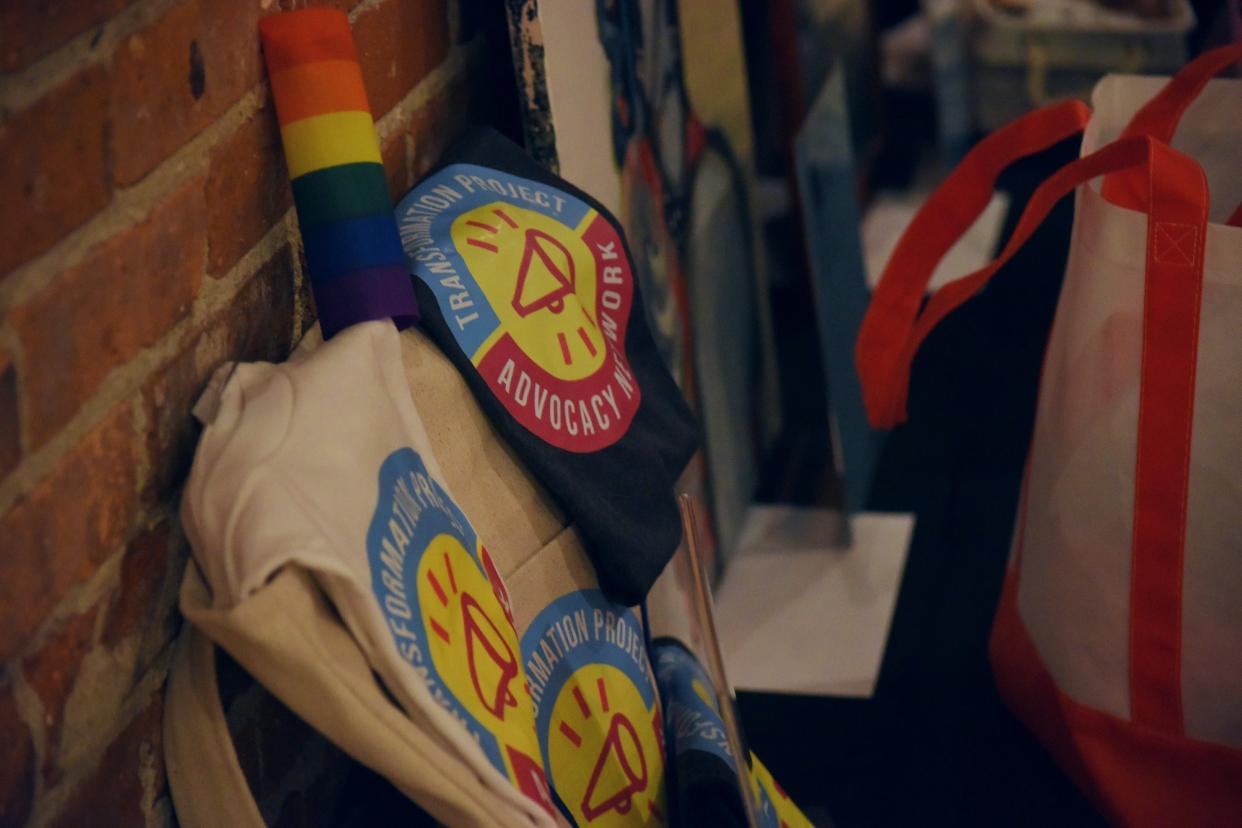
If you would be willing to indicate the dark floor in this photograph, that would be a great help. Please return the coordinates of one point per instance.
(935, 746)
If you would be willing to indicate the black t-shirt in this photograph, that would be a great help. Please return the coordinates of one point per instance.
(527, 285)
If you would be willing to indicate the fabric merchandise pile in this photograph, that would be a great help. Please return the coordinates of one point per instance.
(430, 543)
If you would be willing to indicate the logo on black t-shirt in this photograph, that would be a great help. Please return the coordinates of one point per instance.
(536, 287)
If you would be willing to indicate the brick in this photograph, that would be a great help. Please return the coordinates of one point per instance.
(142, 607)
(17, 761)
(58, 534)
(178, 75)
(304, 297)
(143, 571)
(51, 672)
(257, 325)
(52, 178)
(247, 190)
(129, 292)
(437, 124)
(399, 42)
(130, 773)
(10, 418)
(29, 30)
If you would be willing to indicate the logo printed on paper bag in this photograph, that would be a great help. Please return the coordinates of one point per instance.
(536, 287)
(596, 715)
(449, 617)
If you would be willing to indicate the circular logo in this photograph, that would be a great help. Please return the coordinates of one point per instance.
(597, 717)
(473, 647)
(448, 614)
(536, 288)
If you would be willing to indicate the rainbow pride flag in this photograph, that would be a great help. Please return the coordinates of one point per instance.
(357, 269)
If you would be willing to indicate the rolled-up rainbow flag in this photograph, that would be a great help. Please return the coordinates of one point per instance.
(353, 254)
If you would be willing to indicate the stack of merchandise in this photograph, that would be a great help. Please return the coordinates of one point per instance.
(430, 544)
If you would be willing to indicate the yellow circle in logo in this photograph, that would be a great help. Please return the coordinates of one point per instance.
(473, 645)
(540, 278)
(603, 751)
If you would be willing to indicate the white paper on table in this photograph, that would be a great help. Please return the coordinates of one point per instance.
(798, 614)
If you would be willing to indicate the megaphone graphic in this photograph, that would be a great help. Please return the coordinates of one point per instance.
(545, 276)
(599, 798)
(491, 675)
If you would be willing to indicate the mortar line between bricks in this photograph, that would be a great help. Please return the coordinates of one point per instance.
(132, 206)
(408, 146)
(138, 421)
(80, 598)
(218, 293)
(31, 711)
(28, 86)
(129, 206)
(293, 235)
(52, 802)
(125, 381)
(103, 582)
(147, 776)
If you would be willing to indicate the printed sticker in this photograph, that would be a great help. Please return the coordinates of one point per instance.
(596, 711)
(536, 288)
(448, 613)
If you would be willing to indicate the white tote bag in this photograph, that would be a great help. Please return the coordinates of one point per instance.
(1118, 639)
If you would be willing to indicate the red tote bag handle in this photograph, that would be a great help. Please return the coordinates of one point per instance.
(942, 221)
(1160, 118)
(893, 328)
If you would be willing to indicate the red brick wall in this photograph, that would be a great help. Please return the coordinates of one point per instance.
(146, 236)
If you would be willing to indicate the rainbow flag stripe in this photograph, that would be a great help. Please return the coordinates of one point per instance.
(353, 254)
(342, 192)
